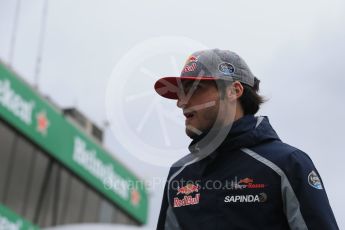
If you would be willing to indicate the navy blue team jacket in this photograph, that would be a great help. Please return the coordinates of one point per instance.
(251, 181)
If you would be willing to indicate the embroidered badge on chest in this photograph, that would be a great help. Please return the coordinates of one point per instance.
(191, 195)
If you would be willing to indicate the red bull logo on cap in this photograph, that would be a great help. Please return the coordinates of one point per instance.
(192, 58)
(190, 64)
(189, 68)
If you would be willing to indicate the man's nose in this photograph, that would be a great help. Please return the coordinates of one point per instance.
(181, 102)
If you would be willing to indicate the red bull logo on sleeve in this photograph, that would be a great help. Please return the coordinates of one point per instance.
(187, 199)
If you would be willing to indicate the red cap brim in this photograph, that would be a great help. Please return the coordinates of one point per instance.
(168, 87)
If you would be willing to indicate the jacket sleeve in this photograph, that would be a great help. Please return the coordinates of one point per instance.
(163, 211)
(310, 193)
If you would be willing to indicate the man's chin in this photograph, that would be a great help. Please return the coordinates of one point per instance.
(193, 132)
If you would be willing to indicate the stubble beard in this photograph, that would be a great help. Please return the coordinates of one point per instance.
(214, 118)
(194, 132)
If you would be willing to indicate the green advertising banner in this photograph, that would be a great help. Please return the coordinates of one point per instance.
(11, 221)
(45, 125)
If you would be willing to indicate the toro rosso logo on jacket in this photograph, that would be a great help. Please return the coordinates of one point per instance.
(248, 183)
(187, 199)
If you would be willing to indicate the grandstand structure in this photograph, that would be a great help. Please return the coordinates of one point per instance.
(54, 169)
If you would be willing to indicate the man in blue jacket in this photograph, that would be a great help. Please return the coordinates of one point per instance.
(239, 174)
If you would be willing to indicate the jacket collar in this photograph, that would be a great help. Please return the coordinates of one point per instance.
(244, 132)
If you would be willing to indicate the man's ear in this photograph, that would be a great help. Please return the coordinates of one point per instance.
(234, 91)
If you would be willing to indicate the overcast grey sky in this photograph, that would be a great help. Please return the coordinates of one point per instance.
(296, 48)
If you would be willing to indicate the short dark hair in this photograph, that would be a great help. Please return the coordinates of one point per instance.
(250, 99)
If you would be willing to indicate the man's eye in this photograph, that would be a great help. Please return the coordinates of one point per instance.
(191, 88)
(195, 87)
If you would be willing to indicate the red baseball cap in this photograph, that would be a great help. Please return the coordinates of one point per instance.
(207, 65)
